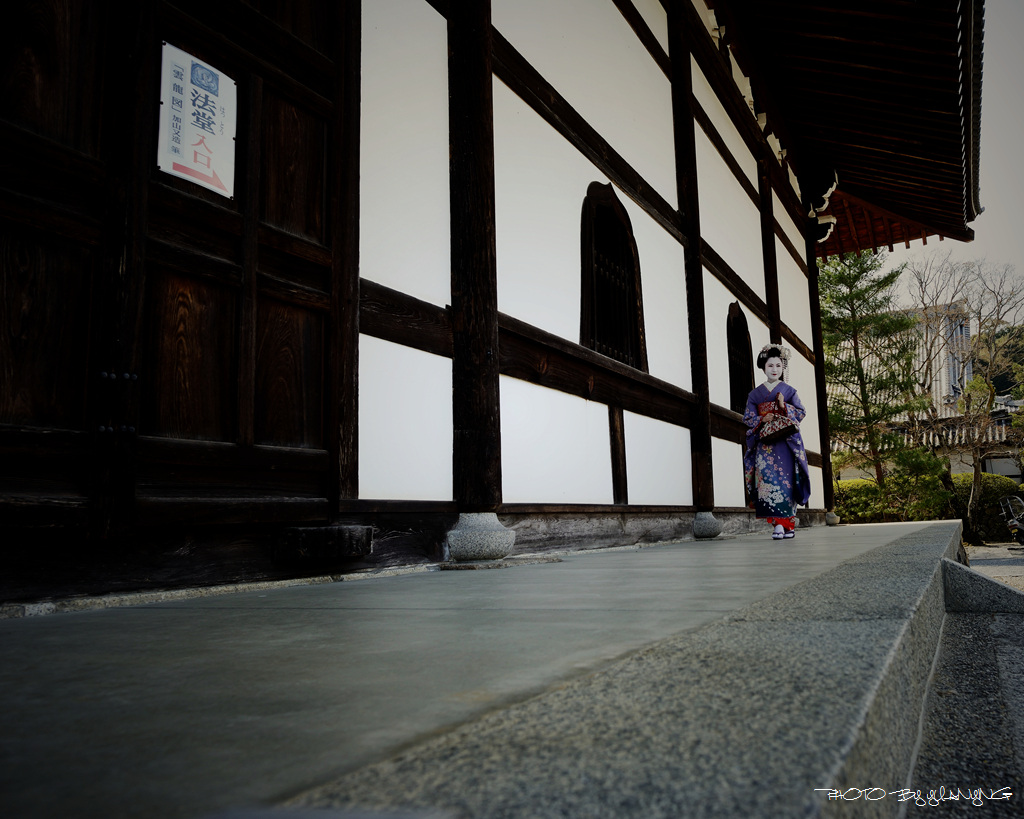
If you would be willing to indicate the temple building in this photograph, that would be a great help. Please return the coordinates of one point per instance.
(288, 284)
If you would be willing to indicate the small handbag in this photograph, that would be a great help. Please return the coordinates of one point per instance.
(776, 427)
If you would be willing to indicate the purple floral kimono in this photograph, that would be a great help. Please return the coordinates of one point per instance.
(776, 474)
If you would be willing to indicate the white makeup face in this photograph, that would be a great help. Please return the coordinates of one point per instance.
(773, 368)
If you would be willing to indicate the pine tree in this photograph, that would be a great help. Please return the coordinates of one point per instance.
(870, 349)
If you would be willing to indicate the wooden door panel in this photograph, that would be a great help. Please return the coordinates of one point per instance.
(289, 375)
(305, 267)
(293, 169)
(44, 329)
(49, 69)
(179, 219)
(309, 22)
(190, 391)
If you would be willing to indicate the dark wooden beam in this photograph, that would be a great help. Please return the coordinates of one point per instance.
(475, 352)
(682, 39)
(771, 267)
(395, 316)
(541, 358)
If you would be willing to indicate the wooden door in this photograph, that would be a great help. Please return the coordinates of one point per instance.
(171, 356)
(240, 302)
(57, 204)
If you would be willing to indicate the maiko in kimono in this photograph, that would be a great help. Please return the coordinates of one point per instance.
(776, 473)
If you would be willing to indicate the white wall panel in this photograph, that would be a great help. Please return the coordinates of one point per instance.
(709, 101)
(717, 299)
(788, 225)
(540, 184)
(794, 295)
(591, 56)
(817, 490)
(663, 282)
(727, 462)
(729, 220)
(801, 377)
(403, 184)
(405, 422)
(759, 336)
(658, 462)
(554, 446)
(656, 18)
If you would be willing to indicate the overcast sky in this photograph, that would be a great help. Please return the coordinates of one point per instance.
(999, 230)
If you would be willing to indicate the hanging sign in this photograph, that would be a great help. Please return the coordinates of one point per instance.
(197, 122)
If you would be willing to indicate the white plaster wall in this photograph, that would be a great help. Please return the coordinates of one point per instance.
(656, 18)
(554, 447)
(729, 220)
(540, 183)
(759, 336)
(794, 295)
(727, 462)
(817, 489)
(788, 225)
(717, 299)
(801, 377)
(590, 55)
(708, 100)
(663, 282)
(403, 184)
(658, 463)
(405, 422)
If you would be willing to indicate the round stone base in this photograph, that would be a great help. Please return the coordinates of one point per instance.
(706, 526)
(480, 536)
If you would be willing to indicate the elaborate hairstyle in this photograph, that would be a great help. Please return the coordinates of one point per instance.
(774, 351)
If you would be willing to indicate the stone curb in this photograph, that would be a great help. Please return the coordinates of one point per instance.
(971, 592)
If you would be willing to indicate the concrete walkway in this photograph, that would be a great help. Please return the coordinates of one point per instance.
(252, 699)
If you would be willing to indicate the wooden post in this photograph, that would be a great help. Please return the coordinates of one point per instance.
(686, 188)
(343, 408)
(617, 436)
(771, 265)
(474, 308)
(819, 363)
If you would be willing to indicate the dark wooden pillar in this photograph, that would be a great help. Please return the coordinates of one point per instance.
(680, 35)
(819, 363)
(474, 308)
(771, 265)
(343, 408)
(617, 436)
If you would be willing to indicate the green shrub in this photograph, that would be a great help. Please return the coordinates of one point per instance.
(856, 500)
(904, 497)
(990, 523)
(923, 498)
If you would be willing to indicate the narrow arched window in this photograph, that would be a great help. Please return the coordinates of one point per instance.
(611, 311)
(741, 358)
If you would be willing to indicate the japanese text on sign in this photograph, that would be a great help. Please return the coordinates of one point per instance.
(197, 122)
